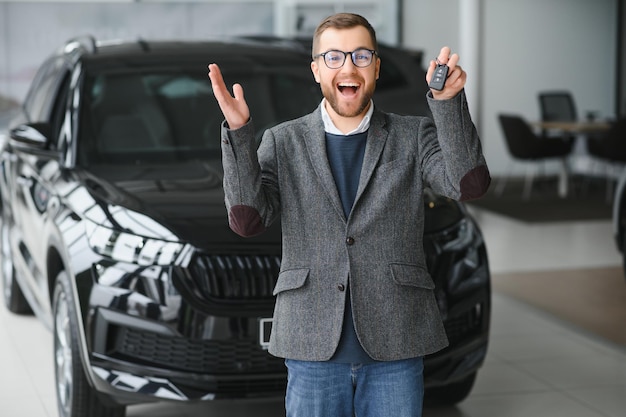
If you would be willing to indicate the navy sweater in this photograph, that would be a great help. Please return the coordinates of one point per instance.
(345, 154)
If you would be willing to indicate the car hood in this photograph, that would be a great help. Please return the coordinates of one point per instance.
(183, 203)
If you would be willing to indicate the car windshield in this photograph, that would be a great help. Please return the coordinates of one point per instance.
(172, 116)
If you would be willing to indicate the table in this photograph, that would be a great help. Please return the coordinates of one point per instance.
(574, 128)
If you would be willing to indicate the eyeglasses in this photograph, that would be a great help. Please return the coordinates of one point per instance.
(335, 59)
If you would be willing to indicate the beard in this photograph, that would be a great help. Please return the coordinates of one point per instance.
(347, 109)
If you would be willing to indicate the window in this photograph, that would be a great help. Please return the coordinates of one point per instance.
(38, 103)
(173, 116)
(391, 77)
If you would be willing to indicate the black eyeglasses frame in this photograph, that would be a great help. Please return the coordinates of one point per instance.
(345, 55)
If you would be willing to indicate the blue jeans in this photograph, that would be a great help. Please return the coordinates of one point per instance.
(330, 389)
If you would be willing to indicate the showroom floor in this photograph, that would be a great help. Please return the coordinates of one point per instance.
(537, 365)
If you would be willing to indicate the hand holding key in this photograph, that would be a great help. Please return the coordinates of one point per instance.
(235, 109)
(444, 77)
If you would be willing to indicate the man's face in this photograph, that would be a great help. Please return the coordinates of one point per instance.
(348, 89)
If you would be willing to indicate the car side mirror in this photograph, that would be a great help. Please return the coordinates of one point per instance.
(35, 135)
(33, 139)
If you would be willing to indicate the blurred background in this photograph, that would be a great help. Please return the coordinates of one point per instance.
(558, 338)
(511, 49)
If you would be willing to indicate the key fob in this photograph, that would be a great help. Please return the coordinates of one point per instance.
(439, 77)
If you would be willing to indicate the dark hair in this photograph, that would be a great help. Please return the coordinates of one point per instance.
(343, 21)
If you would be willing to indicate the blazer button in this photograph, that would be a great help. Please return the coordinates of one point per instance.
(350, 241)
(341, 287)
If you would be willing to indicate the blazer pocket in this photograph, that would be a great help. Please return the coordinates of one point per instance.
(396, 164)
(291, 279)
(411, 275)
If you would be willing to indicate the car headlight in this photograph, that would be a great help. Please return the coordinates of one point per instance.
(126, 247)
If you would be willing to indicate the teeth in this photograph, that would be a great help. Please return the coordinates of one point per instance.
(348, 85)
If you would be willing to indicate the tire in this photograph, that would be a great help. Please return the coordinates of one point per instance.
(13, 296)
(75, 397)
(450, 394)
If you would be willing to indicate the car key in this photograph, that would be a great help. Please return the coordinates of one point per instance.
(439, 77)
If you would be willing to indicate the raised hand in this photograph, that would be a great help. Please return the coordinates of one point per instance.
(456, 76)
(235, 109)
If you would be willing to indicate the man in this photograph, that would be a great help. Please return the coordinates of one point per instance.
(355, 309)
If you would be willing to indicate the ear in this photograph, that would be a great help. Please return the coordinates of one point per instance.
(377, 67)
(316, 71)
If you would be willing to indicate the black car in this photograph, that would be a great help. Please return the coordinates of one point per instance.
(619, 216)
(115, 234)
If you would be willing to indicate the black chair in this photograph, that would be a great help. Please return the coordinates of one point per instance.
(612, 145)
(524, 145)
(609, 150)
(557, 106)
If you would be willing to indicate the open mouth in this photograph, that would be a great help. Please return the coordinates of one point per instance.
(348, 88)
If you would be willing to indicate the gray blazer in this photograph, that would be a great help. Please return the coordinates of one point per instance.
(378, 248)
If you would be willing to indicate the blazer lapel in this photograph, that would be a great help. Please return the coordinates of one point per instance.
(376, 139)
(316, 146)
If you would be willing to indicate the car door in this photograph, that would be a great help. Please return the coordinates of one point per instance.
(31, 176)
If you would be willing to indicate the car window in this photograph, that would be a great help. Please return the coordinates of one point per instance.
(277, 97)
(173, 115)
(293, 97)
(390, 76)
(38, 102)
(59, 106)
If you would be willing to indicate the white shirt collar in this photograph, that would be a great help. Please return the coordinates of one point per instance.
(330, 127)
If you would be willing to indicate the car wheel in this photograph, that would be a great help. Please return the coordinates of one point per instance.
(75, 397)
(14, 298)
(450, 394)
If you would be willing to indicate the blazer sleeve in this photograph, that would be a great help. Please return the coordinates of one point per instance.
(451, 152)
(251, 193)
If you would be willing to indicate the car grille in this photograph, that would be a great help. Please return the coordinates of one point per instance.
(235, 277)
(252, 387)
(198, 356)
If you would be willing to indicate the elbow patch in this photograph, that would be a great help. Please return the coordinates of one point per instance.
(475, 183)
(245, 221)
